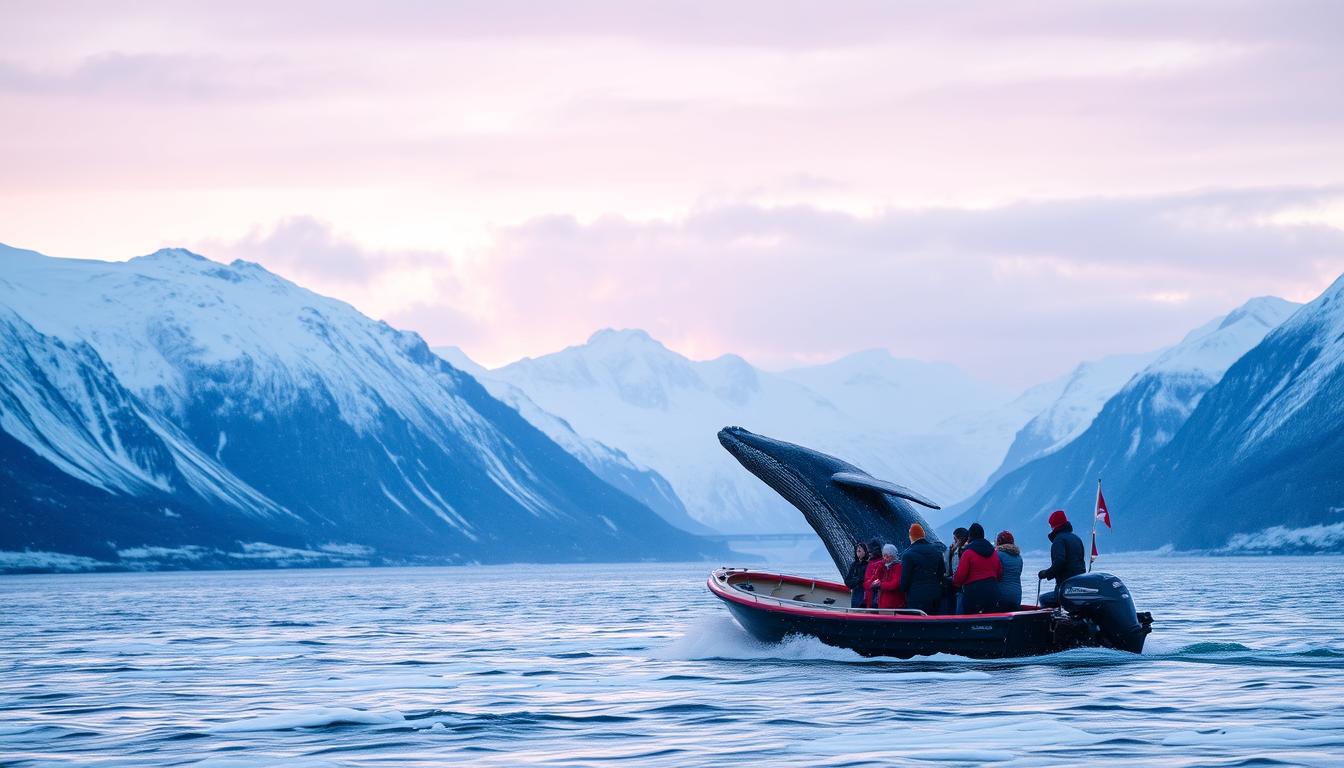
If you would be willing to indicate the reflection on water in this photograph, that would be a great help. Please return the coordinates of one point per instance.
(576, 665)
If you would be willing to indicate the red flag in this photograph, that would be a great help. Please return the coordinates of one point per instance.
(1102, 513)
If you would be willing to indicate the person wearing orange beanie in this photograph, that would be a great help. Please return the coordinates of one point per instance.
(922, 570)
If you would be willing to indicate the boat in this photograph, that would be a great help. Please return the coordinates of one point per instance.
(845, 506)
(772, 606)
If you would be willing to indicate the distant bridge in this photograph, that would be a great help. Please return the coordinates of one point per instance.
(745, 538)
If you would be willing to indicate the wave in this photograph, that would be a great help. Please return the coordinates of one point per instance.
(316, 717)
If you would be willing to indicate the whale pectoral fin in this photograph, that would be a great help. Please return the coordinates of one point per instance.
(856, 480)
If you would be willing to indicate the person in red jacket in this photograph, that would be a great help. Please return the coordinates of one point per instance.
(978, 573)
(870, 574)
(888, 581)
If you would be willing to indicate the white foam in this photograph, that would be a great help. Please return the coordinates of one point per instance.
(308, 718)
(719, 637)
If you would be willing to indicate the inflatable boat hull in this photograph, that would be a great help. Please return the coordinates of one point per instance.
(772, 606)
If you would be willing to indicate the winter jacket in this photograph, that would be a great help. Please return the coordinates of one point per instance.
(922, 575)
(980, 597)
(889, 578)
(1066, 555)
(979, 561)
(869, 575)
(1010, 586)
(854, 576)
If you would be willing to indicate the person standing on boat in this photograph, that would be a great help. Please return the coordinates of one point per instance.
(888, 581)
(978, 574)
(854, 576)
(1067, 558)
(951, 595)
(1010, 586)
(870, 573)
(922, 571)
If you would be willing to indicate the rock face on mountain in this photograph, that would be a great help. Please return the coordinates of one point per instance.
(1131, 428)
(172, 410)
(1259, 465)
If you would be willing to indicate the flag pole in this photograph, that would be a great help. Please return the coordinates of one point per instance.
(1095, 506)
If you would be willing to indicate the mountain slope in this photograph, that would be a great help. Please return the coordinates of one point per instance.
(1085, 390)
(367, 439)
(1130, 428)
(1259, 465)
(639, 482)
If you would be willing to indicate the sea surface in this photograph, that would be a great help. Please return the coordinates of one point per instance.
(615, 664)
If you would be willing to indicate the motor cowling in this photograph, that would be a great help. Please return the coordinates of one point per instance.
(1105, 601)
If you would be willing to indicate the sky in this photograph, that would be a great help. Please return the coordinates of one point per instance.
(1011, 187)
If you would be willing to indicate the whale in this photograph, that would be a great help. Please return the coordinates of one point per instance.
(842, 503)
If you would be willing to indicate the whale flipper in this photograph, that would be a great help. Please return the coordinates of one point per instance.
(857, 480)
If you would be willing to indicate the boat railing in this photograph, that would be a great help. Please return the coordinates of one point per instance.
(723, 573)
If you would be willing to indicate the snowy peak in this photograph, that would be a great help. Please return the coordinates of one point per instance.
(1267, 311)
(1211, 349)
(623, 338)
(171, 255)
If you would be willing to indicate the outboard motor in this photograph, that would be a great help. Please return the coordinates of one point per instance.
(1104, 600)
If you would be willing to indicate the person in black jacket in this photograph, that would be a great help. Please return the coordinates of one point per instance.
(922, 573)
(854, 577)
(1067, 558)
(951, 559)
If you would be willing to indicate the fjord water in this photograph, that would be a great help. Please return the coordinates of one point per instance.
(601, 665)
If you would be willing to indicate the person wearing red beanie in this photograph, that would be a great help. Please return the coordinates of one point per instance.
(1067, 557)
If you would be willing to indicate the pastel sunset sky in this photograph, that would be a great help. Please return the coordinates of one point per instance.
(1011, 187)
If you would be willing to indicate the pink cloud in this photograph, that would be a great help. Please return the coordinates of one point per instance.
(1015, 293)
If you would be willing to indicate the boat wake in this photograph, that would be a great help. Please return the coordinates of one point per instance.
(719, 638)
(711, 638)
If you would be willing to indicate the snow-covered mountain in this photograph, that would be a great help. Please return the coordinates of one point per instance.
(1085, 390)
(610, 464)
(1259, 465)
(628, 391)
(256, 421)
(1131, 427)
(899, 394)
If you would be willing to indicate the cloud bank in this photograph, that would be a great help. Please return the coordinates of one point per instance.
(1014, 293)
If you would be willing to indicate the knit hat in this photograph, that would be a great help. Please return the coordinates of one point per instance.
(1058, 518)
(916, 531)
(1004, 537)
(977, 531)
